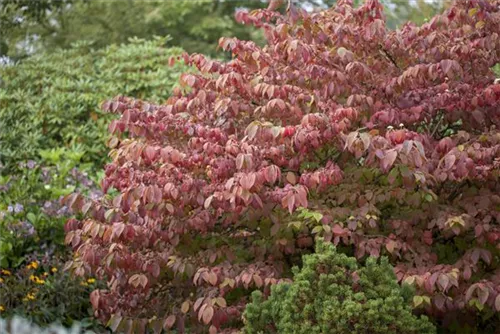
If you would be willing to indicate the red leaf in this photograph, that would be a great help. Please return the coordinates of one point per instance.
(251, 130)
(469, 292)
(208, 201)
(439, 301)
(338, 230)
(94, 299)
(208, 313)
(197, 304)
(291, 178)
(247, 181)
(290, 203)
(390, 246)
(389, 158)
(443, 281)
(212, 278)
(169, 322)
(446, 66)
(467, 272)
(274, 5)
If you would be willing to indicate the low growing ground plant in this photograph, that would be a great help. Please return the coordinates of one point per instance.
(43, 293)
(31, 215)
(389, 138)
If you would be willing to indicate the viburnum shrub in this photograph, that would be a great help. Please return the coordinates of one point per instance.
(382, 142)
(331, 294)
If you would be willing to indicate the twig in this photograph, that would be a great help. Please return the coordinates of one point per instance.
(390, 58)
(437, 126)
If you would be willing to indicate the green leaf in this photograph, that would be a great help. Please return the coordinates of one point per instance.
(417, 301)
(317, 229)
(31, 217)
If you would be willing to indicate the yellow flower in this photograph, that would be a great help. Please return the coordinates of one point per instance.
(2, 308)
(91, 280)
(33, 278)
(6, 272)
(54, 270)
(45, 274)
(33, 265)
(84, 283)
(39, 281)
(30, 296)
(1, 280)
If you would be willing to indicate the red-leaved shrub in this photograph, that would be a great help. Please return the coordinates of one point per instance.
(389, 138)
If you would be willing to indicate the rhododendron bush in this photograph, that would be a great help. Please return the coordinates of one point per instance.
(382, 142)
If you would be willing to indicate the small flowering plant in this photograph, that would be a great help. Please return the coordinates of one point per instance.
(43, 292)
(31, 217)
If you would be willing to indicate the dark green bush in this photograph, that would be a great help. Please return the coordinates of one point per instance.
(332, 294)
(52, 100)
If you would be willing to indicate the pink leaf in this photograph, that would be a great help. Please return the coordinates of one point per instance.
(389, 158)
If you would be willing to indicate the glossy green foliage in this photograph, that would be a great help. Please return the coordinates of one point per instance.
(333, 294)
(52, 100)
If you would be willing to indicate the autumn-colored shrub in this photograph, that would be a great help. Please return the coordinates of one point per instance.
(332, 294)
(389, 139)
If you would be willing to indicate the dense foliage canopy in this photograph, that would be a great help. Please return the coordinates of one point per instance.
(52, 100)
(382, 142)
(195, 25)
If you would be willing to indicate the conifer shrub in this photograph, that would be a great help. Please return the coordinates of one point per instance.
(332, 294)
(381, 142)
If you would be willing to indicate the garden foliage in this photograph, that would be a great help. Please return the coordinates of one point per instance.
(389, 139)
(52, 100)
(331, 294)
(31, 215)
(32, 252)
(43, 293)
